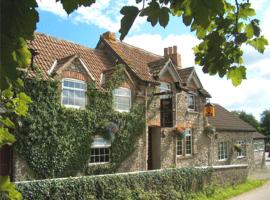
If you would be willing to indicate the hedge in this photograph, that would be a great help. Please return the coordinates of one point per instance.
(161, 184)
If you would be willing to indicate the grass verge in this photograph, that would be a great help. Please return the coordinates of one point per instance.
(223, 193)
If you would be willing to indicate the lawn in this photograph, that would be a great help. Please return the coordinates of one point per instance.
(223, 193)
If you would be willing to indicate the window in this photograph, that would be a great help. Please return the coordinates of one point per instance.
(73, 93)
(184, 146)
(179, 147)
(188, 138)
(165, 87)
(166, 112)
(258, 145)
(241, 153)
(191, 102)
(122, 99)
(100, 151)
(222, 151)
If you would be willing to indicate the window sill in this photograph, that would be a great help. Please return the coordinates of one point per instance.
(184, 157)
(122, 111)
(222, 160)
(192, 111)
(240, 157)
(74, 107)
(95, 164)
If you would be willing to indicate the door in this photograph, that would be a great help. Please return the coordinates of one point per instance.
(6, 161)
(154, 148)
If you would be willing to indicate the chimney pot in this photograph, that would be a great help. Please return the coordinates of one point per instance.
(174, 49)
(170, 51)
(165, 52)
(109, 36)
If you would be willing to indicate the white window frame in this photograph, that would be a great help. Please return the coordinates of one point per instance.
(194, 101)
(77, 89)
(184, 144)
(258, 145)
(225, 153)
(129, 96)
(188, 134)
(243, 152)
(105, 145)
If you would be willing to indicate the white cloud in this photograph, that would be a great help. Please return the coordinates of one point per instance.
(258, 4)
(156, 44)
(104, 14)
(53, 7)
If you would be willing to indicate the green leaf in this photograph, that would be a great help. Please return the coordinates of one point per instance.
(153, 12)
(130, 13)
(6, 137)
(237, 74)
(249, 31)
(8, 189)
(258, 43)
(164, 16)
(246, 11)
(7, 122)
(71, 5)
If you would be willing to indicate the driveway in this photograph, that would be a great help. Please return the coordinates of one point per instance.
(261, 193)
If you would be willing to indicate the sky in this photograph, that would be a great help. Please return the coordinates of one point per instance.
(86, 24)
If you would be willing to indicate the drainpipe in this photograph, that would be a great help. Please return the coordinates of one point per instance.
(146, 128)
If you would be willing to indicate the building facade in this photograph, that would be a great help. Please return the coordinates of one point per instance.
(175, 124)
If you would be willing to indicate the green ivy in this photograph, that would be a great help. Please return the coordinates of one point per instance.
(175, 184)
(55, 141)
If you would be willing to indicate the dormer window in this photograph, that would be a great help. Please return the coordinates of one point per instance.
(122, 99)
(73, 93)
(191, 102)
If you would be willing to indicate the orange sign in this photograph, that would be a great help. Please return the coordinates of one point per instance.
(209, 110)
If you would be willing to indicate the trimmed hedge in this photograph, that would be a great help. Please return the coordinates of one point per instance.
(162, 184)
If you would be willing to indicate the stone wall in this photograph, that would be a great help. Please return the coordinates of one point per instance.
(229, 174)
(200, 142)
(232, 138)
(259, 153)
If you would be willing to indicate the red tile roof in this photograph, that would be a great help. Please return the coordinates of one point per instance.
(227, 121)
(136, 58)
(51, 49)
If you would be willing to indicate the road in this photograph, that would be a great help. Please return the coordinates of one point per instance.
(261, 193)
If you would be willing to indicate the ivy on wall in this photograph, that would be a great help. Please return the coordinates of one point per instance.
(174, 184)
(55, 141)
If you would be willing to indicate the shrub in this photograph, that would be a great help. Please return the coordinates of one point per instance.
(163, 184)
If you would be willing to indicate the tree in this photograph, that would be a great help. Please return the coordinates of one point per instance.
(249, 118)
(265, 123)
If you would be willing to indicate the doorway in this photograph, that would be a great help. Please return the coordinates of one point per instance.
(6, 168)
(154, 148)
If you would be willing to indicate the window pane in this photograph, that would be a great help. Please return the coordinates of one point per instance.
(122, 99)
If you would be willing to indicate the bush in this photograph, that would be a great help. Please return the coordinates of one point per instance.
(163, 184)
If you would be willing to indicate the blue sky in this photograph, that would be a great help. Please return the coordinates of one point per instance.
(85, 25)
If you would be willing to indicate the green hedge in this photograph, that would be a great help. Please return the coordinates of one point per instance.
(164, 184)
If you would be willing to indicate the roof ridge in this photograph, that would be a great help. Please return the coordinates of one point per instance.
(232, 114)
(62, 40)
(186, 68)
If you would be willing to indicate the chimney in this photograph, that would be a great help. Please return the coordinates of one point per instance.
(171, 52)
(109, 36)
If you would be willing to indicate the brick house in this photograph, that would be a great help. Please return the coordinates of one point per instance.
(179, 99)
